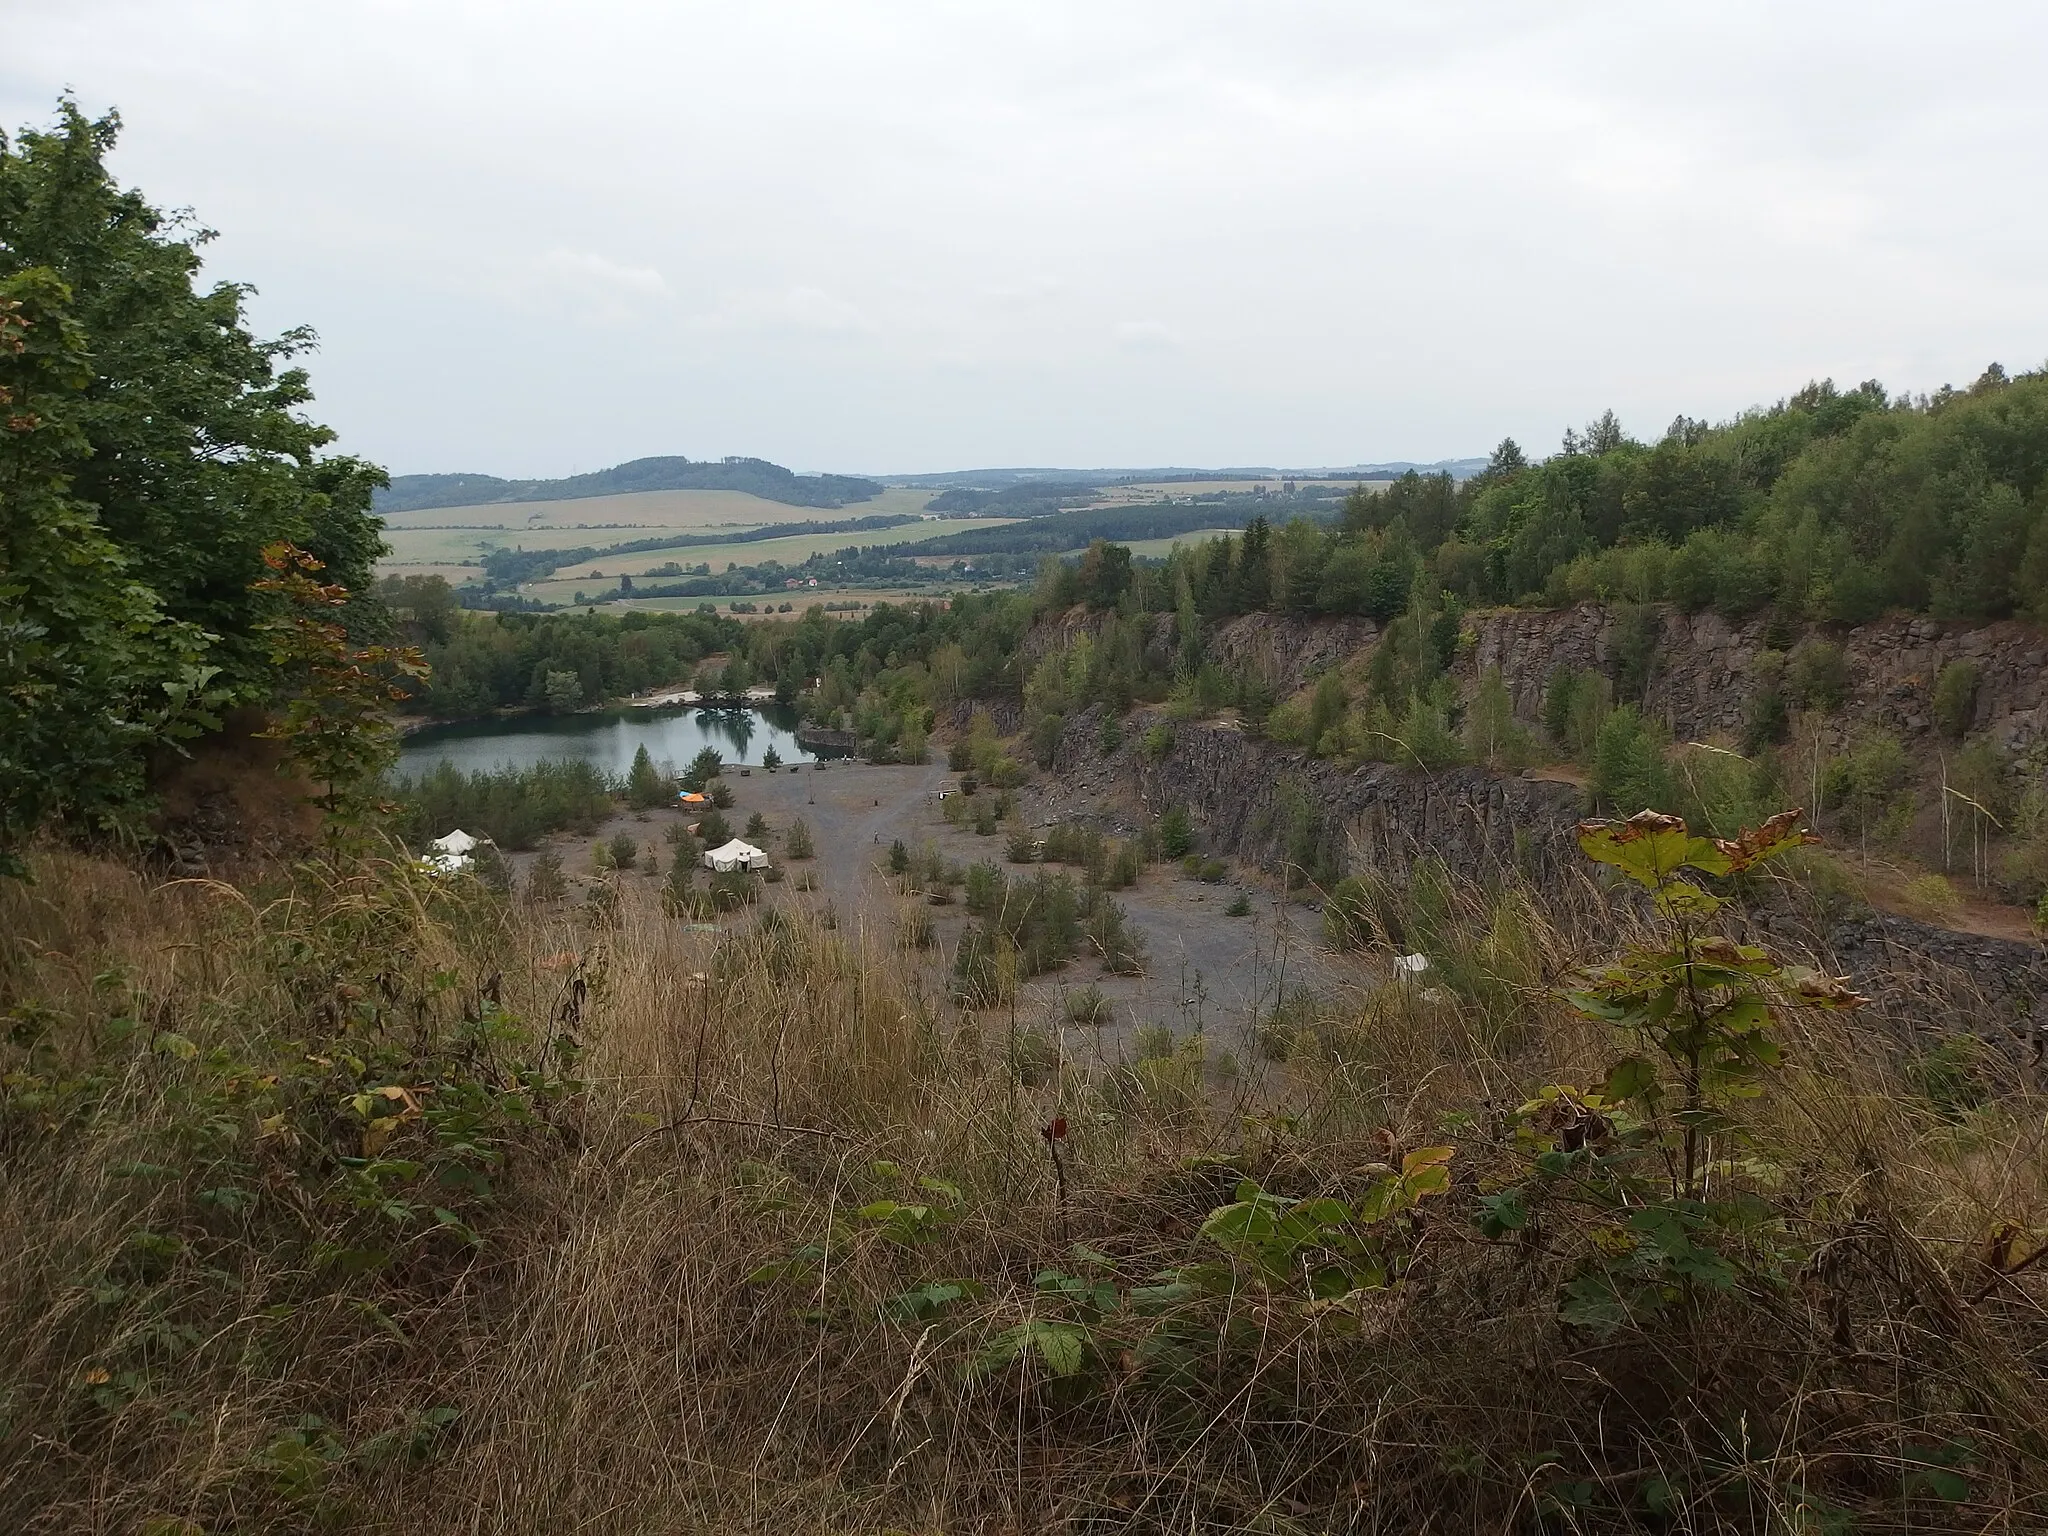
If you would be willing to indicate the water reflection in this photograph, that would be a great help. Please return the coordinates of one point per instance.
(607, 739)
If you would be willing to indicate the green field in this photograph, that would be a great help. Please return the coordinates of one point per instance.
(1159, 549)
(794, 550)
(450, 535)
(798, 601)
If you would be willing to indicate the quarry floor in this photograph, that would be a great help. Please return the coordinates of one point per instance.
(1205, 970)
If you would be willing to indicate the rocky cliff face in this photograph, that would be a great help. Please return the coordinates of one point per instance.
(1286, 652)
(1703, 671)
(1249, 797)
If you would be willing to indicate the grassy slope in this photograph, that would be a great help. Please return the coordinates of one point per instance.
(681, 1313)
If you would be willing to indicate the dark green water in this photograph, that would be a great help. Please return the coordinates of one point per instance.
(606, 739)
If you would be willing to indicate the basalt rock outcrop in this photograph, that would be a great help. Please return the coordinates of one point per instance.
(1285, 652)
(1703, 670)
(1250, 797)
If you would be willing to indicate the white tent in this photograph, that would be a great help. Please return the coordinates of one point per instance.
(450, 855)
(735, 855)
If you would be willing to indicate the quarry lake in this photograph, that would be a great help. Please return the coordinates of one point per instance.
(606, 739)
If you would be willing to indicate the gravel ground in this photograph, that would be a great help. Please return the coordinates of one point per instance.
(1205, 969)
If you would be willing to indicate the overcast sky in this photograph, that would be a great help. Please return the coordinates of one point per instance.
(876, 236)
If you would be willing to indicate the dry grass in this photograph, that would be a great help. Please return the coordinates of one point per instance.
(624, 1355)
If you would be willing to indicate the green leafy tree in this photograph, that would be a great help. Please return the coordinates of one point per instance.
(196, 454)
(563, 691)
(335, 720)
(704, 767)
(150, 450)
(645, 787)
(92, 672)
(1176, 833)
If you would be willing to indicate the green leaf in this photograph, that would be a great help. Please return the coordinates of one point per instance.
(1061, 1346)
(1630, 1078)
(1681, 898)
(170, 1043)
(1591, 1302)
(1502, 1212)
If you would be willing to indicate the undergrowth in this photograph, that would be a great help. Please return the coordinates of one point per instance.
(355, 1200)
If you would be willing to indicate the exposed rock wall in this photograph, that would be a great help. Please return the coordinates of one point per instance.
(1927, 982)
(1377, 816)
(1286, 652)
(1704, 670)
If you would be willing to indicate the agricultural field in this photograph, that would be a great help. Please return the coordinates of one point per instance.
(794, 550)
(799, 601)
(1165, 490)
(1159, 549)
(450, 535)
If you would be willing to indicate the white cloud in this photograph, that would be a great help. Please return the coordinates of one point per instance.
(790, 310)
(1144, 336)
(909, 232)
(590, 273)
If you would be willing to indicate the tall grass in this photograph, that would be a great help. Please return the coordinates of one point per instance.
(757, 1231)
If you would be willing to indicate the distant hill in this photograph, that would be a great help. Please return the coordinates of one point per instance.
(757, 477)
(1070, 480)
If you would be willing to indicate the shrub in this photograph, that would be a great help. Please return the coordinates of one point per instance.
(1933, 897)
(1158, 742)
(1213, 872)
(771, 759)
(1867, 785)
(714, 829)
(1116, 945)
(1817, 675)
(544, 882)
(1766, 718)
(1955, 698)
(704, 767)
(1574, 706)
(797, 844)
(1633, 644)
(757, 825)
(1240, 905)
(721, 794)
(735, 888)
(1045, 743)
(1347, 915)
(1326, 715)
(899, 858)
(1022, 848)
(624, 851)
(645, 787)
(1492, 734)
(1629, 772)
(1176, 833)
(914, 930)
(601, 904)
(1111, 735)
(1087, 1007)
